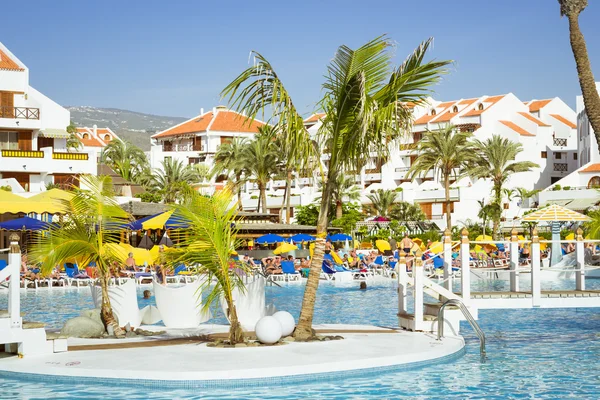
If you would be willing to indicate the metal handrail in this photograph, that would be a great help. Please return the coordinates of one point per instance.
(469, 318)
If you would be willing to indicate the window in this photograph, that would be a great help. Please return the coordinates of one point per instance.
(433, 112)
(480, 107)
(455, 109)
(9, 140)
(506, 206)
(85, 136)
(194, 160)
(574, 156)
(544, 154)
(558, 156)
(107, 138)
(417, 136)
(594, 182)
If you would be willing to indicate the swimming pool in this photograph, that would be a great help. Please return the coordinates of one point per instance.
(531, 353)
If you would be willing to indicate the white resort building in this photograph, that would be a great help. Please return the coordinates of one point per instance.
(33, 136)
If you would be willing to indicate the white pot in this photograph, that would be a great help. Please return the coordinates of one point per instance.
(123, 299)
(250, 304)
(180, 306)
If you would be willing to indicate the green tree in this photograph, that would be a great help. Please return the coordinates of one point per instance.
(127, 160)
(350, 217)
(345, 188)
(261, 161)
(94, 226)
(404, 211)
(496, 161)
(571, 9)
(73, 142)
(382, 201)
(229, 158)
(364, 99)
(209, 242)
(307, 215)
(173, 180)
(447, 152)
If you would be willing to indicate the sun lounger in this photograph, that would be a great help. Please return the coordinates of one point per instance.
(74, 275)
(289, 271)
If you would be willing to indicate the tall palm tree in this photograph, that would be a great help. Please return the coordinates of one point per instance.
(496, 160)
(126, 159)
(261, 159)
(209, 243)
(405, 211)
(363, 102)
(447, 152)
(94, 226)
(173, 180)
(229, 159)
(571, 9)
(382, 201)
(488, 212)
(345, 189)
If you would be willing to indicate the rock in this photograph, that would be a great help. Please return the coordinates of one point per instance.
(93, 314)
(211, 344)
(130, 334)
(241, 345)
(128, 327)
(289, 339)
(252, 344)
(110, 330)
(55, 335)
(82, 327)
(326, 338)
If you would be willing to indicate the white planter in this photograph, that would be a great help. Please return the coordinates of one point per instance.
(180, 306)
(249, 305)
(123, 299)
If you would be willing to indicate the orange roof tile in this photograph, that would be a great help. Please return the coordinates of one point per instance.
(315, 117)
(516, 128)
(492, 99)
(564, 121)
(92, 142)
(468, 101)
(7, 63)
(536, 105)
(223, 120)
(424, 119)
(533, 119)
(592, 168)
(445, 104)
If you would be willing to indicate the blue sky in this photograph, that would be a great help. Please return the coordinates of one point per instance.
(172, 58)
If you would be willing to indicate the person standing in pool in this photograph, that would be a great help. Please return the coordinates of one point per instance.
(406, 244)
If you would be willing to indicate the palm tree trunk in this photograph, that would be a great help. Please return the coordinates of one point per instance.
(448, 205)
(263, 197)
(339, 211)
(591, 99)
(236, 334)
(239, 191)
(106, 312)
(484, 222)
(304, 327)
(288, 194)
(498, 201)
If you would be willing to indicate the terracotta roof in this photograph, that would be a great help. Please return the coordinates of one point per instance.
(224, 120)
(492, 99)
(592, 168)
(7, 63)
(533, 119)
(468, 101)
(536, 105)
(564, 120)
(445, 104)
(516, 128)
(92, 142)
(316, 117)
(424, 119)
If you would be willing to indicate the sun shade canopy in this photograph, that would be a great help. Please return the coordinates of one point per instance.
(553, 213)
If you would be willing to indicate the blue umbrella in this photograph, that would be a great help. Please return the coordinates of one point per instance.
(340, 237)
(25, 223)
(301, 237)
(270, 238)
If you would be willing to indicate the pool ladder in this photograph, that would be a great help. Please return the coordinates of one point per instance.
(468, 316)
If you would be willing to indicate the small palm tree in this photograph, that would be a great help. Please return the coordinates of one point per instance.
(261, 159)
(382, 201)
(496, 160)
(571, 9)
(173, 180)
(126, 159)
(363, 102)
(404, 211)
(447, 152)
(95, 222)
(229, 158)
(345, 189)
(208, 243)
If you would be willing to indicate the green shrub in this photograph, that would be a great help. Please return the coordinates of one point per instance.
(566, 187)
(149, 197)
(556, 187)
(6, 188)
(253, 197)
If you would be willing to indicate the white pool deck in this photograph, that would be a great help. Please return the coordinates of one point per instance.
(197, 362)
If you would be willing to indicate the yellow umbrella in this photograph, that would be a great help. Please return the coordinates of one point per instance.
(127, 247)
(142, 256)
(382, 245)
(52, 195)
(482, 238)
(311, 249)
(570, 236)
(284, 248)
(157, 222)
(521, 237)
(436, 247)
(336, 258)
(418, 241)
(117, 251)
(356, 244)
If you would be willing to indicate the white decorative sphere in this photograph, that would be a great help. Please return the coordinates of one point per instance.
(287, 322)
(268, 330)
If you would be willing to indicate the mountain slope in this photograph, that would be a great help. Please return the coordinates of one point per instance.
(129, 125)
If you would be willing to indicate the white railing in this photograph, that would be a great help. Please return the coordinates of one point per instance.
(12, 273)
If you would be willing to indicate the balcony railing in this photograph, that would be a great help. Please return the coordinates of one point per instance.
(19, 112)
(408, 146)
(561, 167)
(23, 153)
(70, 156)
(560, 142)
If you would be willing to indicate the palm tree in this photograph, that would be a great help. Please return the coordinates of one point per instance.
(229, 159)
(405, 211)
(173, 180)
(209, 242)
(382, 201)
(94, 225)
(524, 194)
(448, 152)
(345, 189)
(363, 102)
(488, 212)
(571, 9)
(496, 160)
(261, 159)
(126, 159)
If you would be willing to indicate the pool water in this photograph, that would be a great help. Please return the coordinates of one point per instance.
(537, 353)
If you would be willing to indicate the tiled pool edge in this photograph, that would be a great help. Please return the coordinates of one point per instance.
(233, 383)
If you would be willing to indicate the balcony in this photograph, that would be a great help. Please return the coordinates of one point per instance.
(400, 173)
(19, 112)
(436, 196)
(375, 177)
(408, 146)
(279, 183)
(183, 147)
(560, 142)
(305, 181)
(272, 201)
(22, 154)
(70, 156)
(561, 167)
(46, 161)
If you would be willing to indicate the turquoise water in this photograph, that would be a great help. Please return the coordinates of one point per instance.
(550, 354)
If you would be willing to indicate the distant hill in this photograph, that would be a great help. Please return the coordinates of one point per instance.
(129, 125)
